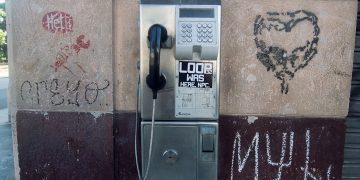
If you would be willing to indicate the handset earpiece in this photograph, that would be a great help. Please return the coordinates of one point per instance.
(157, 36)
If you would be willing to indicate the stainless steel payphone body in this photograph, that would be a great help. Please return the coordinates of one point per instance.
(186, 87)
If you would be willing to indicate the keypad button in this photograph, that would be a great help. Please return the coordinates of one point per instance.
(210, 40)
(189, 25)
(183, 25)
(189, 30)
(188, 39)
(209, 30)
(210, 35)
(209, 25)
(183, 39)
(199, 25)
(198, 30)
(189, 35)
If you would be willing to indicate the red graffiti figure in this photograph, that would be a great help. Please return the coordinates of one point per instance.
(80, 43)
(63, 55)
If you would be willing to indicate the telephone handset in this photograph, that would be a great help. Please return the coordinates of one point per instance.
(157, 37)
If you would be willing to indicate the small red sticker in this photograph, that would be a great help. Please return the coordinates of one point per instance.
(58, 21)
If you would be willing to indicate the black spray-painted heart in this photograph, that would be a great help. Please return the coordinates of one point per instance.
(284, 64)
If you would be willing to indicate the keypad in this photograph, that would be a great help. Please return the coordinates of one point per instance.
(186, 32)
(205, 32)
(199, 32)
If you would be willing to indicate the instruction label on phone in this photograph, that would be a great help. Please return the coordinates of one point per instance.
(195, 74)
(196, 89)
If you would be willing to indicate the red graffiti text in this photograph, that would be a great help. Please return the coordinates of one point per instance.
(57, 21)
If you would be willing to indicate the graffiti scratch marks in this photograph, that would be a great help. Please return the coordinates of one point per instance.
(281, 163)
(287, 149)
(307, 173)
(241, 164)
(57, 92)
(67, 51)
(58, 21)
(276, 58)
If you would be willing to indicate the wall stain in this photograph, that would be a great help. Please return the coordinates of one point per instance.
(340, 73)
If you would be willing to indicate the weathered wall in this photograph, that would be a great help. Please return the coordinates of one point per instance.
(63, 66)
(316, 81)
(127, 53)
(280, 148)
(290, 82)
(61, 88)
(316, 84)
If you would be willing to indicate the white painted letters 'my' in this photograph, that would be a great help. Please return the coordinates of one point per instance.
(307, 158)
(281, 163)
(241, 164)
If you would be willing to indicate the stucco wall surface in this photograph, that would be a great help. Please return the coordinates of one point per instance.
(286, 58)
(62, 55)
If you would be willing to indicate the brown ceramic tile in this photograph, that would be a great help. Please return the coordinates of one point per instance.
(319, 142)
(65, 145)
(124, 126)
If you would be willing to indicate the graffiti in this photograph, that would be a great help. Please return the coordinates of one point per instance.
(281, 163)
(56, 92)
(241, 164)
(93, 88)
(67, 51)
(286, 153)
(284, 64)
(57, 21)
(80, 43)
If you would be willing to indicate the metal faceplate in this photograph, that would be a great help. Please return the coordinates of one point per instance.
(196, 39)
(197, 32)
(181, 151)
(197, 55)
(165, 16)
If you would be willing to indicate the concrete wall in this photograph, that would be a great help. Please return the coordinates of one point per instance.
(61, 88)
(287, 84)
(317, 84)
(316, 81)
(288, 87)
(62, 67)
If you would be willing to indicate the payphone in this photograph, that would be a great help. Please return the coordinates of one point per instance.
(179, 89)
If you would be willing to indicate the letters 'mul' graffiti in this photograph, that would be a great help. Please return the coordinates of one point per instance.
(282, 63)
(287, 148)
